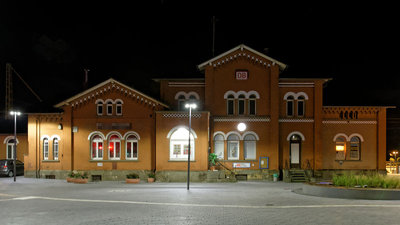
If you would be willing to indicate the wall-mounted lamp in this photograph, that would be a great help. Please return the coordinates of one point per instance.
(60, 126)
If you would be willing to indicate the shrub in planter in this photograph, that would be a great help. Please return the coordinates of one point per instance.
(213, 159)
(132, 178)
(151, 177)
(80, 178)
(71, 177)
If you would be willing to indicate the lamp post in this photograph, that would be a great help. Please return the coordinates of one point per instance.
(190, 106)
(15, 114)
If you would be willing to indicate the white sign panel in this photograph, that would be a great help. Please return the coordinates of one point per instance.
(242, 75)
(241, 165)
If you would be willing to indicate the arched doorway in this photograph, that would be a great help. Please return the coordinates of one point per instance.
(295, 151)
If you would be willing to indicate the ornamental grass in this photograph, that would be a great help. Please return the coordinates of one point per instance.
(370, 181)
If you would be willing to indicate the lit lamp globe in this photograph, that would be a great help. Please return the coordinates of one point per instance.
(241, 127)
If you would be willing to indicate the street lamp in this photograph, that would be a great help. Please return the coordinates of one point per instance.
(15, 114)
(190, 106)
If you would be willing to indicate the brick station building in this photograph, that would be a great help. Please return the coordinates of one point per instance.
(112, 129)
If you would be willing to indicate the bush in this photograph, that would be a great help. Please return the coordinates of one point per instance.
(79, 175)
(213, 159)
(71, 174)
(376, 181)
(132, 176)
(152, 175)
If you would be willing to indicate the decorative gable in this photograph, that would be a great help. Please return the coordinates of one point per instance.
(108, 86)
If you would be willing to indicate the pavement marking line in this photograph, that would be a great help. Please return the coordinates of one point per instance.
(201, 205)
(1, 194)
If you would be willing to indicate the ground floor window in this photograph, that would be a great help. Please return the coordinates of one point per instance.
(233, 147)
(114, 147)
(219, 146)
(249, 147)
(55, 148)
(131, 147)
(97, 147)
(45, 149)
(340, 148)
(355, 148)
(179, 145)
(10, 149)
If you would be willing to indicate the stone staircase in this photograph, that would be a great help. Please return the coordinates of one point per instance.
(298, 176)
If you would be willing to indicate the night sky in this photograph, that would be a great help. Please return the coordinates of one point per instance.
(51, 43)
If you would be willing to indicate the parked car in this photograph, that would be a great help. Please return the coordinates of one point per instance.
(7, 167)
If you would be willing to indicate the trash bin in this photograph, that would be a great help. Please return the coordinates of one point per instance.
(275, 177)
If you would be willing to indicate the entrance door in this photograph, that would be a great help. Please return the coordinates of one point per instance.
(295, 152)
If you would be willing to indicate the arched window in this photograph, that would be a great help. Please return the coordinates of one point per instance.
(109, 104)
(230, 105)
(131, 147)
(10, 149)
(219, 146)
(233, 147)
(355, 148)
(181, 102)
(300, 106)
(114, 147)
(118, 107)
(289, 106)
(179, 145)
(45, 148)
(55, 148)
(241, 104)
(252, 105)
(99, 106)
(250, 147)
(97, 147)
(340, 148)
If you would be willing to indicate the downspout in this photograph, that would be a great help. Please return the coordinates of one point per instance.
(38, 157)
(36, 148)
(155, 142)
(72, 140)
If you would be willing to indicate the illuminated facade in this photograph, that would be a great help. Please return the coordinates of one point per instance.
(112, 129)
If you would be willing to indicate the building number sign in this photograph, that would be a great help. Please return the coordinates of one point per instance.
(242, 74)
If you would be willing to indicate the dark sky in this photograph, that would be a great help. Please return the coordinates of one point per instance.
(50, 44)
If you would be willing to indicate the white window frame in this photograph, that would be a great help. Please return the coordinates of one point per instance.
(10, 143)
(55, 148)
(45, 149)
(358, 148)
(182, 142)
(287, 107)
(228, 99)
(118, 104)
(97, 147)
(99, 104)
(220, 156)
(252, 99)
(229, 143)
(131, 142)
(241, 104)
(245, 146)
(109, 103)
(304, 107)
(114, 141)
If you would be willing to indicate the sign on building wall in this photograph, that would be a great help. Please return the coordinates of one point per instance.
(241, 165)
(242, 74)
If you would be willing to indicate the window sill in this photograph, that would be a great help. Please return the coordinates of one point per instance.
(50, 161)
(236, 160)
(114, 160)
(180, 160)
(349, 160)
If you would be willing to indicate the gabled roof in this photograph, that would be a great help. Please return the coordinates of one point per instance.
(124, 88)
(282, 66)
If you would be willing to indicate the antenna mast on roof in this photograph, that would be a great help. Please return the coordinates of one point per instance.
(9, 89)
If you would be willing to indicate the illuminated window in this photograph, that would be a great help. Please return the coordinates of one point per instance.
(252, 105)
(55, 149)
(118, 107)
(97, 147)
(10, 149)
(179, 145)
(219, 146)
(233, 147)
(340, 148)
(131, 147)
(114, 147)
(355, 148)
(45, 148)
(289, 106)
(241, 107)
(250, 147)
(230, 105)
(99, 106)
(300, 106)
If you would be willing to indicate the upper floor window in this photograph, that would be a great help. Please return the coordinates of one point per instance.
(55, 148)
(114, 147)
(99, 106)
(181, 102)
(300, 106)
(289, 106)
(118, 107)
(252, 105)
(45, 148)
(219, 146)
(241, 101)
(230, 104)
(131, 147)
(233, 147)
(184, 97)
(97, 147)
(109, 107)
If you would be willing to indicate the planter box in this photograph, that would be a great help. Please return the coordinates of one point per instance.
(70, 179)
(132, 181)
(80, 181)
(150, 180)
